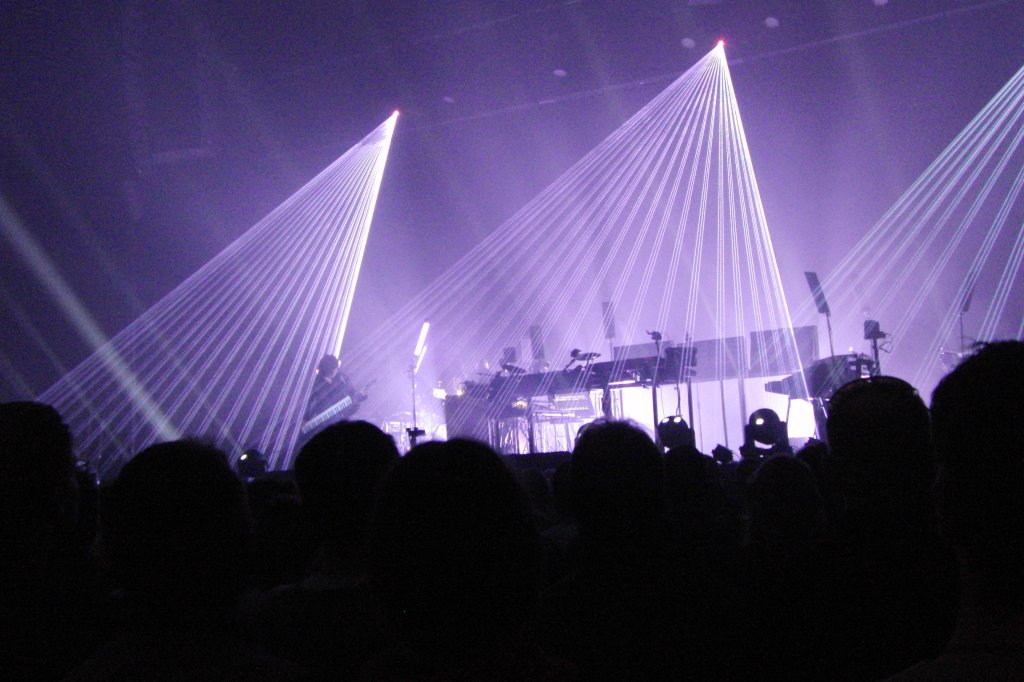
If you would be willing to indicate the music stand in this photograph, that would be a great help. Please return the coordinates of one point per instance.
(819, 301)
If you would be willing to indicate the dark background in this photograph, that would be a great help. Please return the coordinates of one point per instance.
(139, 139)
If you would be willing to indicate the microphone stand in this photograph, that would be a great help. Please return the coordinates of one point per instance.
(414, 432)
(654, 383)
(873, 333)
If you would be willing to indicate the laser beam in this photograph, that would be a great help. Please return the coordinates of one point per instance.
(228, 354)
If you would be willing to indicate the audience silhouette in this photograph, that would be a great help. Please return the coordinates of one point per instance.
(978, 426)
(634, 604)
(177, 534)
(327, 620)
(45, 568)
(892, 584)
(896, 549)
(456, 564)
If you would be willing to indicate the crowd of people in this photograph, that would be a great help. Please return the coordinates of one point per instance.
(896, 550)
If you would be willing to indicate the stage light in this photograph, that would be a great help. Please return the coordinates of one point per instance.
(251, 464)
(674, 432)
(422, 340)
(765, 427)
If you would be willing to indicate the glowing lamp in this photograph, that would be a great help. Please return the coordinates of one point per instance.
(422, 340)
(675, 432)
(765, 427)
(251, 464)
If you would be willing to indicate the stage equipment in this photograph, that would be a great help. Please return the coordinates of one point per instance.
(822, 305)
(251, 464)
(765, 428)
(415, 431)
(955, 232)
(508, 356)
(823, 377)
(663, 220)
(564, 395)
(576, 355)
(675, 432)
(633, 351)
(817, 383)
(344, 405)
(656, 337)
(468, 414)
(723, 361)
(873, 332)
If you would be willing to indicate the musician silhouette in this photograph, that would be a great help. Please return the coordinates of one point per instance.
(330, 389)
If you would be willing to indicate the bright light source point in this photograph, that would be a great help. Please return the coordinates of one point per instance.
(688, 43)
(560, 73)
(771, 22)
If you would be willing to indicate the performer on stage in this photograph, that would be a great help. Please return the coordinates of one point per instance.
(330, 387)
